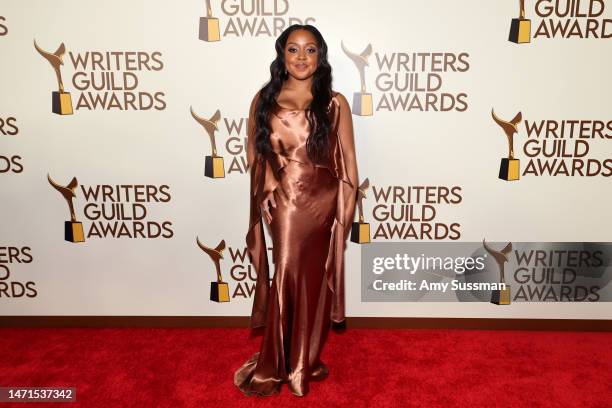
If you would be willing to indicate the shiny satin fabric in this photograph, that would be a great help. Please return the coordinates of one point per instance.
(309, 238)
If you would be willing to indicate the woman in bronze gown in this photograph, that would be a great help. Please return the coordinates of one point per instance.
(301, 156)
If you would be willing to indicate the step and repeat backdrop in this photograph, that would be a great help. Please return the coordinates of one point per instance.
(123, 177)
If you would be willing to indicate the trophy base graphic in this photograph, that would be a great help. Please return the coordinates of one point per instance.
(501, 296)
(209, 29)
(520, 31)
(213, 167)
(362, 104)
(61, 103)
(509, 169)
(73, 231)
(219, 292)
(360, 233)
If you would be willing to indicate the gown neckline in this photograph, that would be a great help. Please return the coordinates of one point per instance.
(286, 112)
(289, 109)
(295, 111)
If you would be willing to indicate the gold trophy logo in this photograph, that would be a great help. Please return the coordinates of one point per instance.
(362, 101)
(209, 26)
(219, 290)
(509, 168)
(60, 100)
(213, 165)
(500, 296)
(360, 231)
(73, 229)
(520, 28)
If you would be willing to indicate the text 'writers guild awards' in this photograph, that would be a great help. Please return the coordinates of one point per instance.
(500, 296)
(73, 229)
(60, 100)
(362, 101)
(213, 166)
(219, 290)
(520, 28)
(509, 168)
(360, 231)
(209, 26)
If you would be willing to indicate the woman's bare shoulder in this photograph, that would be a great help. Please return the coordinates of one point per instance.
(254, 101)
(339, 99)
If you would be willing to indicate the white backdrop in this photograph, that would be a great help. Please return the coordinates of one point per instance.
(549, 79)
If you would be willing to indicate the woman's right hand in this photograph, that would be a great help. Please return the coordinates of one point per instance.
(265, 205)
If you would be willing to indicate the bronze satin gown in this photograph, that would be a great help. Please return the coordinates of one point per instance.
(308, 237)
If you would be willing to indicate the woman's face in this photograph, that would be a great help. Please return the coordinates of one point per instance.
(301, 54)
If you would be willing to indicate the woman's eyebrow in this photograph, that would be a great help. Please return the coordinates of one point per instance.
(309, 43)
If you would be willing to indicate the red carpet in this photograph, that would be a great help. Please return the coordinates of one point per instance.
(367, 368)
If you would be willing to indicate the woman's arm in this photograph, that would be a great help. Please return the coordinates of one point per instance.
(270, 181)
(345, 133)
(251, 125)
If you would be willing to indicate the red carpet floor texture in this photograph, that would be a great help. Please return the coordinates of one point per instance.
(150, 367)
